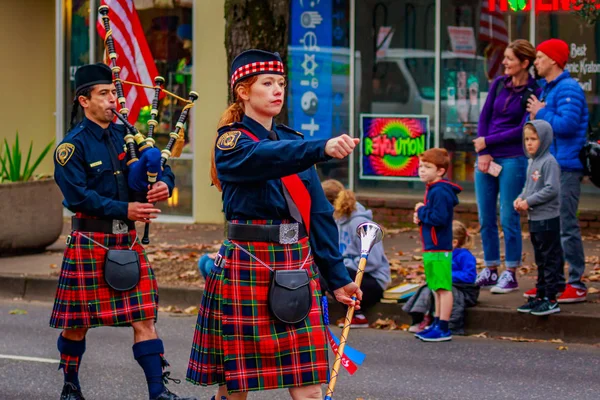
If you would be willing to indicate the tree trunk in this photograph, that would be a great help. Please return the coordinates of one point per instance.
(257, 24)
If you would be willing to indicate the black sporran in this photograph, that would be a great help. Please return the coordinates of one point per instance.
(290, 296)
(122, 269)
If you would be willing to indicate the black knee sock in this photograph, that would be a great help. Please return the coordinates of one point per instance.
(443, 325)
(71, 352)
(149, 355)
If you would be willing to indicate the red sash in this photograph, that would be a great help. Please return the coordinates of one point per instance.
(296, 188)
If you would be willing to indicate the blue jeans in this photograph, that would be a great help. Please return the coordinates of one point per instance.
(570, 233)
(509, 184)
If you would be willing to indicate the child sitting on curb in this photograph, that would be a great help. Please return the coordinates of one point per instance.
(348, 216)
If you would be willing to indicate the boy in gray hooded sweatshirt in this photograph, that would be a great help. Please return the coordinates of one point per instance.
(541, 198)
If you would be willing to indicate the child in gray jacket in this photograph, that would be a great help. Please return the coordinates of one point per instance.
(541, 198)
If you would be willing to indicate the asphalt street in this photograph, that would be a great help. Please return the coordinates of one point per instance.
(397, 365)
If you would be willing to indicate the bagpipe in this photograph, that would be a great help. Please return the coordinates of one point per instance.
(145, 162)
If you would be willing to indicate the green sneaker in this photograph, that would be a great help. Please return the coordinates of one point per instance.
(530, 305)
(546, 307)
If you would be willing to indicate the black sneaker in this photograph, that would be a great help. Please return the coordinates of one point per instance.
(531, 304)
(546, 307)
(167, 394)
(70, 392)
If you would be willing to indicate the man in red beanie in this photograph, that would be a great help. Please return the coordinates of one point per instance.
(563, 105)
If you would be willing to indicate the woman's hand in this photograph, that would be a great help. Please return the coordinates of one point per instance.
(340, 146)
(483, 162)
(345, 293)
(479, 144)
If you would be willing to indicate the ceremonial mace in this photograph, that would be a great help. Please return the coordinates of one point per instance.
(370, 234)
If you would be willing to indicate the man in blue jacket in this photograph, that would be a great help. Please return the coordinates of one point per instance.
(563, 105)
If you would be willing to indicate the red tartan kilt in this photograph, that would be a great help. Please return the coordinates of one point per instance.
(84, 300)
(238, 343)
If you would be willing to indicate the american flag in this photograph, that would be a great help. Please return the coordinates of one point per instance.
(492, 29)
(134, 56)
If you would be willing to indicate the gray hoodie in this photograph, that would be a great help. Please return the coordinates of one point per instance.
(542, 189)
(377, 264)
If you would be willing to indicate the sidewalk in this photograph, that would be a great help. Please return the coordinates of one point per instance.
(175, 248)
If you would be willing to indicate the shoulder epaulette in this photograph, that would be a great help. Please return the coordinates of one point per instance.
(231, 127)
(77, 129)
(288, 129)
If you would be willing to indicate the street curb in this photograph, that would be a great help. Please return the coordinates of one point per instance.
(569, 327)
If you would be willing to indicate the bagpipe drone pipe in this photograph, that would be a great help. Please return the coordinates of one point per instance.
(145, 162)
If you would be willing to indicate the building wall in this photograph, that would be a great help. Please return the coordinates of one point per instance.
(210, 81)
(28, 83)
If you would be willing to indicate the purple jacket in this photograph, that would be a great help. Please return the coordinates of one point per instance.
(502, 118)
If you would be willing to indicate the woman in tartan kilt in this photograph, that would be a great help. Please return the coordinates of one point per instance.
(278, 219)
(92, 176)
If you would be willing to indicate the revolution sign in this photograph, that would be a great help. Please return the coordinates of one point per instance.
(391, 145)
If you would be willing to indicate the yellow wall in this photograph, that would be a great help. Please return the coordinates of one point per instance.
(28, 75)
(210, 81)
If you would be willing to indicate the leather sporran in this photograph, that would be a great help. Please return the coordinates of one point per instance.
(122, 269)
(290, 296)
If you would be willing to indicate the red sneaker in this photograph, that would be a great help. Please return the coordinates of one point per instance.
(530, 293)
(358, 321)
(573, 295)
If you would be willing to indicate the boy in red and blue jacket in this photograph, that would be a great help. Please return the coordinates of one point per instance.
(434, 217)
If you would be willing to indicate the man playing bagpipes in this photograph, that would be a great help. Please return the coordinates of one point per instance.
(105, 278)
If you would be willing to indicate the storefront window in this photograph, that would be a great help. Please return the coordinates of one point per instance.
(583, 64)
(167, 27)
(395, 92)
(319, 74)
(473, 43)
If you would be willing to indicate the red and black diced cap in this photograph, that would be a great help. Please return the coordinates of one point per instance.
(255, 62)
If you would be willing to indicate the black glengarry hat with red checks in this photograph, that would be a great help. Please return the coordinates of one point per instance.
(92, 74)
(255, 62)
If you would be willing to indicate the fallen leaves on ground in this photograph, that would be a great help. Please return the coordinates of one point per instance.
(562, 348)
(53, 266)
(482, 335)
(17, 311)
(385, 324)
(593, 290)
(176, 310)
(522, 339)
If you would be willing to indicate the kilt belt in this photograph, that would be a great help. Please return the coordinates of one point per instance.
(281, 233)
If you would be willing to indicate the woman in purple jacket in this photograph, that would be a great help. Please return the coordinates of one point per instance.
(499, 139)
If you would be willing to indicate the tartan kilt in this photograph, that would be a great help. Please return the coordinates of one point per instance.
(84, 300)
(238, 343)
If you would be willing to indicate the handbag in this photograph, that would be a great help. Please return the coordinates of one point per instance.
(122, 269)
(290, 297)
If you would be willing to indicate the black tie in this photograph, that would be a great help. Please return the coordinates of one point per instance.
(294, 211)
(116, 164)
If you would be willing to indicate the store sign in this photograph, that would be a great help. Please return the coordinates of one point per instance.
(462, 39)
(583, 70)
(391, 145)
(540, 5)
(310, 68)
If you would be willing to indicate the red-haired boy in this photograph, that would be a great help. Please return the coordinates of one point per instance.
(434, 217)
